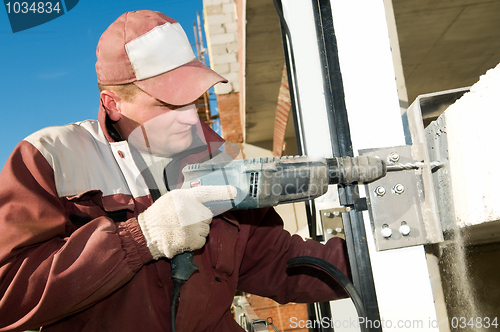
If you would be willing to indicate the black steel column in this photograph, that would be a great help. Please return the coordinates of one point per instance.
(340, 137)
(342, 146)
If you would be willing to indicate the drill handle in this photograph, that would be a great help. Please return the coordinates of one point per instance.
(183, 266)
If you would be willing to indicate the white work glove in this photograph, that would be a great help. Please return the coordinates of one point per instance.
(178, 221)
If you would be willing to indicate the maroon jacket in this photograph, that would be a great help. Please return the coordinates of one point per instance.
(73, 257)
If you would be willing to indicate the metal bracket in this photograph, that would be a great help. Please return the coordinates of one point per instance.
(396, 203)
(331, 220)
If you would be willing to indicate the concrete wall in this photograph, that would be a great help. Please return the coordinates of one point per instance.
(463, 137)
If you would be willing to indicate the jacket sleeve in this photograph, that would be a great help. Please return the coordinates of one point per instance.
(49, 270)
(264, 269)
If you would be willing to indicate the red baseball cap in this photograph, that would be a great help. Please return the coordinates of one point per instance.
(152, 51)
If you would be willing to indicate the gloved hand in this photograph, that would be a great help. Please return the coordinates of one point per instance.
(178, 221)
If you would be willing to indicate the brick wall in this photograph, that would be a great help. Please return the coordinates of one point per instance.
(282, 314)
(229, 112)
(221, 28)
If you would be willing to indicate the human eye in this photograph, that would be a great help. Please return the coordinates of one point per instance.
(163, 105)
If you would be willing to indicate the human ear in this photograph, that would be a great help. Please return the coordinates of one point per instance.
(110, 102)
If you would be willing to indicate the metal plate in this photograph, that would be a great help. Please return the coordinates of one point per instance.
(331, 220)
(394, 203)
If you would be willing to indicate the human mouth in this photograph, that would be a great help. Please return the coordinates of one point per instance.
(183, 133)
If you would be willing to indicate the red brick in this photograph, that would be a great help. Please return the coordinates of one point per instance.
(229, 113)
(280, 313)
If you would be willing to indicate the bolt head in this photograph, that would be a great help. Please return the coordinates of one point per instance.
(386, 232)
(328, 214)
(405, 230)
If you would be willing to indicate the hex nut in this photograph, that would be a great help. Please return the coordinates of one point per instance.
(394, 157)
(380, 191)
(398, 189)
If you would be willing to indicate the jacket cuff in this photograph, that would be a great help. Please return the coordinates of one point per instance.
(134, 244)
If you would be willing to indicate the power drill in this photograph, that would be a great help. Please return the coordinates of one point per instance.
(264, 182)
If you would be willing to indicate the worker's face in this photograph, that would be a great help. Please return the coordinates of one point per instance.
(155, 127)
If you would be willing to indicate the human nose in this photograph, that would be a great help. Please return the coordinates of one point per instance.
(188, 114)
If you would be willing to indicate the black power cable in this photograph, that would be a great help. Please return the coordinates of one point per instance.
(335, 273)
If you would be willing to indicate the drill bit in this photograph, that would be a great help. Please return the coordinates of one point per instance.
(409, 166)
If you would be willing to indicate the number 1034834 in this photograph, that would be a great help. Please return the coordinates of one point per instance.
(33, 7)
(474, 322)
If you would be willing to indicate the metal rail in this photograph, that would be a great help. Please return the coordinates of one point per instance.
(245, 316)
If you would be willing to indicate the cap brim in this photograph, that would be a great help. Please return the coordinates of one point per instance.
(181, 85)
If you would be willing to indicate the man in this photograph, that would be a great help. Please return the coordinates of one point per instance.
(90, 214)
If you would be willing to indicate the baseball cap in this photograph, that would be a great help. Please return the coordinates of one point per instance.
(152, 51)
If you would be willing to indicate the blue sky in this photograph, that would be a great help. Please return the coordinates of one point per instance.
(47, 74)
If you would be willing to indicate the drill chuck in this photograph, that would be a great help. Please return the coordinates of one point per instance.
(362, 169)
